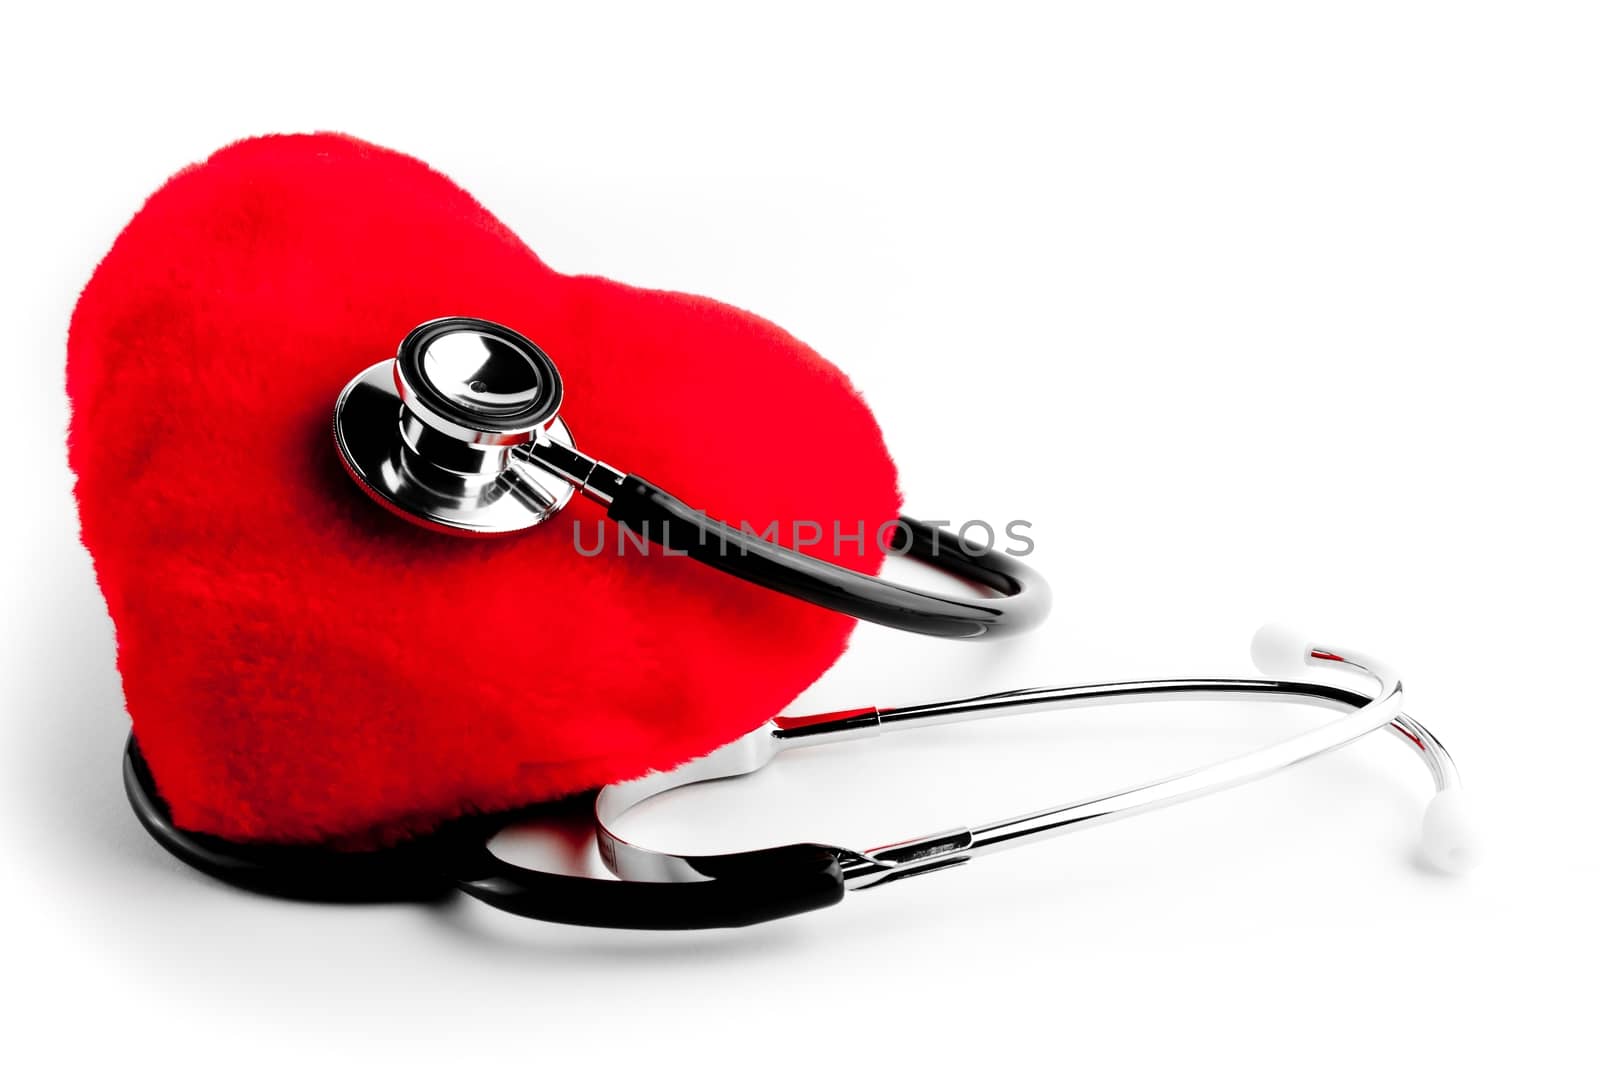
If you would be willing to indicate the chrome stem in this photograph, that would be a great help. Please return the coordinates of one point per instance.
(593, 479)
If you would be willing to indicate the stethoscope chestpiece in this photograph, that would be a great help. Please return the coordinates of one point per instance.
(432, 434)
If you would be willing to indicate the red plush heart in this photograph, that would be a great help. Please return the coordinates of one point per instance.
(301, 666)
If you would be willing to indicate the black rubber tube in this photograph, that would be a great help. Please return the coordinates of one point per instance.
(742, 888)
(1023, 603)
(413, 871)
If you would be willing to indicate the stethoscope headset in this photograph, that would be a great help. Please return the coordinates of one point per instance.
(460, 432)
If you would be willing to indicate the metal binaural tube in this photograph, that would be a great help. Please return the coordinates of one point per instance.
(800, 733)
(1443, 833)
(1372, 714)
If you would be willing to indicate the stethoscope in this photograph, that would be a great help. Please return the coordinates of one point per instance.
(460, 432)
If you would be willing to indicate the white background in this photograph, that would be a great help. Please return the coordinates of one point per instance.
(1255, 310)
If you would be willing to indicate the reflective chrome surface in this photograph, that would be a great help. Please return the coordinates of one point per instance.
(459, 432)
(874, 866)
(597, 481)
(482, 373)
(477, 381)
(434, 479)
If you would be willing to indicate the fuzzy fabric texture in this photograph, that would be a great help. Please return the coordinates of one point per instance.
(301, 666)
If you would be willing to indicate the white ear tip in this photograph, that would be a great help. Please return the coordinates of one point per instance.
(1449, 841)
(1276, 649)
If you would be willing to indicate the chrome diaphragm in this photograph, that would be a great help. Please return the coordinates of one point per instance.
(434, 433)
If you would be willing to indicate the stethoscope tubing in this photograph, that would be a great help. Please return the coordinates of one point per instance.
(657, 890)
(740, 890)
(1023, 600)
